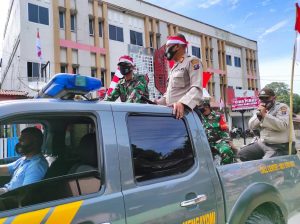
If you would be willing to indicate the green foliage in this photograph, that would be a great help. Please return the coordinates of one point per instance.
(282, 92)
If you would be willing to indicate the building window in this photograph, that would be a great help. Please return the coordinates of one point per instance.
(38, 14)
(61, 20)
(136, 38)
(75, 69)
(100, 28)
(91, 26)
(157, 41)
(161, 147)
(228, 60)
(34, 71)
(63, 68)
(103, 78)
(196, 51)
(93, 72)
(116, 33)
(73, 22)
(211, 54)
(237, 61)
(151, 40)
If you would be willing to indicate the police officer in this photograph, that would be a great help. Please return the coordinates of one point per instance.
(217, 135)
(272, 119)
(184, 85)
(131, 88)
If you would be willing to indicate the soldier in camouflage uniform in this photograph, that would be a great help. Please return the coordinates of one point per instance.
(216, 131)
(131, 88)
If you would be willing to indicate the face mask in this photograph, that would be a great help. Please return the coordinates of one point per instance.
(125, 69)
(269, 104)
(23, 149)
(169, 53)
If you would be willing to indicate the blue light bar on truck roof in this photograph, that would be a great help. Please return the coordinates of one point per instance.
(63, 85)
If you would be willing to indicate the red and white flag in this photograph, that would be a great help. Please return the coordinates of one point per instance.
(38, 46)
(297, 28)
(205, 78)
(114, 81)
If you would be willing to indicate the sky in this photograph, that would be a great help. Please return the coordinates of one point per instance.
(269, 22)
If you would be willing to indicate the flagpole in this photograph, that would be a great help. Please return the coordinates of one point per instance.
(291, 98)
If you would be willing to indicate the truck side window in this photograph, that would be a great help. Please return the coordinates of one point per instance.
(160, 147)
(70, 147)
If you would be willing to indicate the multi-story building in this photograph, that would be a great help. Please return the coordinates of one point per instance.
(88, 37)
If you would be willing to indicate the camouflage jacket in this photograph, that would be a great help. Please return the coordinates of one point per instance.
(215, 127)
(130, 91)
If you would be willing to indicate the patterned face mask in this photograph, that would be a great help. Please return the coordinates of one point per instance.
(125, 69)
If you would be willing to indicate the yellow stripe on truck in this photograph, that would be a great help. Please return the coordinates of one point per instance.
(64, 213)
(34, 217)
(2, 220)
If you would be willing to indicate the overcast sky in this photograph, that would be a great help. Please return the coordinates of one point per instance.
(269, 22)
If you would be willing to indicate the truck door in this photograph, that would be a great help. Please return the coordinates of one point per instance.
(164, 178)
(89, 190)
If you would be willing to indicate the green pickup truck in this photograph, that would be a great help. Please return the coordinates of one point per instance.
(132, 163)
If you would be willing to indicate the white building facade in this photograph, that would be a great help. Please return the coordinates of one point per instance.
(88, 37)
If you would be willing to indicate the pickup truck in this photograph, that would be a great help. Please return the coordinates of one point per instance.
(133, 163)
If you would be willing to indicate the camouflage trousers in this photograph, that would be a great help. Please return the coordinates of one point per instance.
(223, 149)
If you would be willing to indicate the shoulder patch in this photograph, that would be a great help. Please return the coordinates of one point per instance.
(195, 63)
(283, 110)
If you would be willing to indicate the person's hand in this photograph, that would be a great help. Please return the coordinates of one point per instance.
(3, 190)
(178, 110)
(262, 109)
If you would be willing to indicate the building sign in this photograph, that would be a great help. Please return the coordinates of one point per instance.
(244, 103)
(160, 70)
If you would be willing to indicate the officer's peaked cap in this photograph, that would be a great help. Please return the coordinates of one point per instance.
(266, 92)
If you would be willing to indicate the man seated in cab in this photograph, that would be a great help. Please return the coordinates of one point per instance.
(31, 167)
(131, 88)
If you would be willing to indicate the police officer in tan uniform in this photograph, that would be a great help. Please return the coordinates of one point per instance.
(185, 81)
(272, 119)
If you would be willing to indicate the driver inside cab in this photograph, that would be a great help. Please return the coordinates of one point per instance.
(31, 167)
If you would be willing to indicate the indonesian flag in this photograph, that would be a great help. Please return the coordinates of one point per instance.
(114, 81)
(297, 24)
(297, 28)
(38, 45)
(205, 78)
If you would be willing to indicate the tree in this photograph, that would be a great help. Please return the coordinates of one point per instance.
(282, 93)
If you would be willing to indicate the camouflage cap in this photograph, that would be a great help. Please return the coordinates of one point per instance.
(266, 92)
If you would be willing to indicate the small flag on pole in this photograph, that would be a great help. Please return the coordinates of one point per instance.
(114, 81)
(297, 24)
(38, 46)
(205, 78)
(297, 28)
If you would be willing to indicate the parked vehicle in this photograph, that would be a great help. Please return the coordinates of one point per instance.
(135, 163)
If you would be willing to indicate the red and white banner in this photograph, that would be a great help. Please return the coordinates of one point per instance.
(244, 103)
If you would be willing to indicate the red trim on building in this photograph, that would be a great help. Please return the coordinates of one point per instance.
(85, 47)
